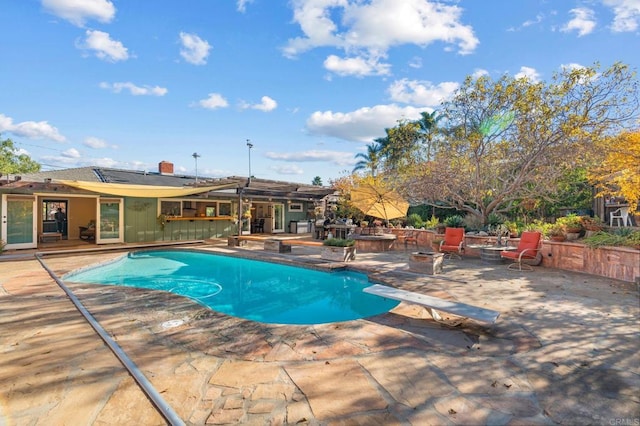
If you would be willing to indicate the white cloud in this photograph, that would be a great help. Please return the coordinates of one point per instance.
(134, 90)
(571, 66)
(415, 62)
(97, 143)
(214, 101)
(79, 11)
(362, 125)
(583, 21)
(627, 14)
(479, 72)
(336, 157)
(530, 73)
(71, 153)
(422, 93)
(194, 49)
(266, 104)
(242, 5)
(367, 30)
(287, 169)
(104, 47)
(81, 161)
(30, 129)
(358, 66)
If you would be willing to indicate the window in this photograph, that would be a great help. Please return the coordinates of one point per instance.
(170, 208)
(295, 207)
(210, 211)
(224, 208)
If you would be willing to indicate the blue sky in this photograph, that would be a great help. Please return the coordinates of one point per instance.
(310, 83)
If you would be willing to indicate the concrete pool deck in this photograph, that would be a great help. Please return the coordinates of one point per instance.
(565, 350)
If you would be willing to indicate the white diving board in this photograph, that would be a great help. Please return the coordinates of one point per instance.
(434, 304)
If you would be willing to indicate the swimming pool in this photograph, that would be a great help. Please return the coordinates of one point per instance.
(251, 289)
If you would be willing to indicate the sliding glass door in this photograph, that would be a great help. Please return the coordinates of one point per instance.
(19, 226)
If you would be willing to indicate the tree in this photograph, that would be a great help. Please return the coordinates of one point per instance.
(11, 162)
(512, 139)
(428, 131)
(618, 174)
(317, 181)
(371, 160)
(401, 149)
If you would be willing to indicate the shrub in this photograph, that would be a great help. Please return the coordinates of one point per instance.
(572, 222)
(622, 237)
(432, 223)
(455, 221)
(338, 242)
(494, 220)
(415, 220)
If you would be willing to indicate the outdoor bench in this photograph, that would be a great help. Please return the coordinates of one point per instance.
(435, 304)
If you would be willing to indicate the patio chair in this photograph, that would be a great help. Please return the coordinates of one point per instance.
(527, 253)
(453, 243)
(88, 232)
(621, 214)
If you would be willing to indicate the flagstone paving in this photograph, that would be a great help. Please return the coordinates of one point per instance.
(565, 350)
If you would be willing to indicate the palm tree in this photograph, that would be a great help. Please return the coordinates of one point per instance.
(428, 129)
(370, 160)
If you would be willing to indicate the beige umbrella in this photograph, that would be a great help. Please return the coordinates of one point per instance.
(378, 201)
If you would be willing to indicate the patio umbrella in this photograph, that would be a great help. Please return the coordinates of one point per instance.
(378, 201)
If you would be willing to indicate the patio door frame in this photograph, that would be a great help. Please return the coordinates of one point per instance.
(6, 199)
(275, 219)
(101, 222)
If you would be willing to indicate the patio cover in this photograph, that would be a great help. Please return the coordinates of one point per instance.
(143, 191)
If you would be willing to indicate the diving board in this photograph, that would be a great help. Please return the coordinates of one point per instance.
(434, 304)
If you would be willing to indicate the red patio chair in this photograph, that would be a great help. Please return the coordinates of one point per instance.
(453, 243)
(528, 250)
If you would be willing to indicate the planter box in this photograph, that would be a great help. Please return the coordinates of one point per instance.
(426, 263)
(338, 254)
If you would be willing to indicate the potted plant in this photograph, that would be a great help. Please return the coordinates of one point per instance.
(338, 249)
(591, 225)
(572, 224)
(557, 232)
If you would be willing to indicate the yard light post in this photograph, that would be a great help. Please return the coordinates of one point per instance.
(195, 156)
(249, 145)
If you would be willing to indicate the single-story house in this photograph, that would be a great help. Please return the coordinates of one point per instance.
(141, 206)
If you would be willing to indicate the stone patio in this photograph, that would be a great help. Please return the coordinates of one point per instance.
(564, 351)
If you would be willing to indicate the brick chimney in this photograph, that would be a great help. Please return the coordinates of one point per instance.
(165, 168)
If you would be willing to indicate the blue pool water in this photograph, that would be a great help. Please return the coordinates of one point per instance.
(250, 289)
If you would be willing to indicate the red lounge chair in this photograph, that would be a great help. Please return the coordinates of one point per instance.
(452, 245)
(528, 250)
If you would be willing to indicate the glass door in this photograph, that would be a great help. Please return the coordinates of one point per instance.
(109, 227)
(19, 226)
(278, 218)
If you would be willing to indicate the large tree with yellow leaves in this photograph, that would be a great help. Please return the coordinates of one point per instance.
(512, 139)
(618, 173)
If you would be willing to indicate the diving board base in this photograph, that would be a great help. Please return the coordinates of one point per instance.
(434, 304)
